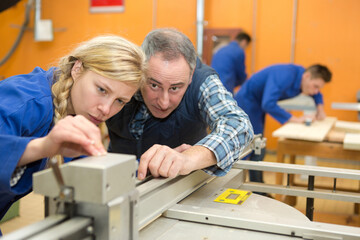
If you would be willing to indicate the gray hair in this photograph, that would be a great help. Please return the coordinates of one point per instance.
(171, 44)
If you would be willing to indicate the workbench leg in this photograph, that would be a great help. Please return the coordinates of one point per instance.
(291, 200)
(292, 159)
(279, 176)
(356, 206)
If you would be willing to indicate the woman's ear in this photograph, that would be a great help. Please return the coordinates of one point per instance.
(76, 70)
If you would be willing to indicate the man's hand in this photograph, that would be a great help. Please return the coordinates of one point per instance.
(297, 119)
(320, 112)
(166, 162)
(182, 147)
(302, 119)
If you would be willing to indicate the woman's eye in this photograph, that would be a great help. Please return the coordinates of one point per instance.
(121, 101)
(153, 85)
(100, 89)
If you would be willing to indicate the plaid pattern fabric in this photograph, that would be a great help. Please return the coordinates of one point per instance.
(17, 174)
(231, 130)
(137, 124)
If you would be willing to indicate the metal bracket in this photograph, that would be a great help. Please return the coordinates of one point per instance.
(258, 143)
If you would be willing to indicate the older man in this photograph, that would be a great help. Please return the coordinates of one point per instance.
(165, 124)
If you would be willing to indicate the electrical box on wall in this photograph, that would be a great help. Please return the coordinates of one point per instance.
(43, 30)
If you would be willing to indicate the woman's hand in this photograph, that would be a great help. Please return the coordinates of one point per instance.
(74, 136)
(70, 137)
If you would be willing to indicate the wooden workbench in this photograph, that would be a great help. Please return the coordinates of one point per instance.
(326, 149)
(330, 150)
(323, 139)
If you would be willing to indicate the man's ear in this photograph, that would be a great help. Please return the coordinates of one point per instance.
(307, 75)
(76, 70)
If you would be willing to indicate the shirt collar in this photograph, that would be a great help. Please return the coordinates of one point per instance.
(138, 96)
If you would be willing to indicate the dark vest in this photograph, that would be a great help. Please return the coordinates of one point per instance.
(183, 125)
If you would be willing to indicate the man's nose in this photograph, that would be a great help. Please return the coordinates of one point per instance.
(164, 100)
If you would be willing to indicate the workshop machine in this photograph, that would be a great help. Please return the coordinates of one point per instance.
(100, 198)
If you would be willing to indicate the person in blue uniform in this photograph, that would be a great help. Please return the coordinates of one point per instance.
(260, 93)
(165, 124)
(229, 62)
(46, 113)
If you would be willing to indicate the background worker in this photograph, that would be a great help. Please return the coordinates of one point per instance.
(261, 92)
(165, 123)
(229, 62)
(45, 113)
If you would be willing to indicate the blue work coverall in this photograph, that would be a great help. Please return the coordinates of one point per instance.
(26, 112)
(261, 92)
(229, 63)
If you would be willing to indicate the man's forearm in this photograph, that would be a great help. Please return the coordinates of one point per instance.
(201, 157)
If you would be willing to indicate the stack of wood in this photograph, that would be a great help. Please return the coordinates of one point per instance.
(330, 129)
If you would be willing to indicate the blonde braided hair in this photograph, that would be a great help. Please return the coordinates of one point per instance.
(109, 56)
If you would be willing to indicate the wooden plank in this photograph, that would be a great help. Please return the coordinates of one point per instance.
(352, 141)
(317, 149)
(317, 131)
(335, 136)
(347, 126)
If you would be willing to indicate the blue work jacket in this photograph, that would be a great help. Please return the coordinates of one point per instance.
(229, 63)
(261, 92)
(26, 112)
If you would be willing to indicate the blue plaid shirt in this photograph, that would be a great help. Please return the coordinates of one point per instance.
(231, 130)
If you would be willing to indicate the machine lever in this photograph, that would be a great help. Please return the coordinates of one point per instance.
(57, 173)
(66, 196)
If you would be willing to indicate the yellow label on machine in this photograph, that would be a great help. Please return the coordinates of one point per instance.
(233, 196)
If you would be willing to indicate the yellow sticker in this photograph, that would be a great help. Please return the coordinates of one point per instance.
(233, 196)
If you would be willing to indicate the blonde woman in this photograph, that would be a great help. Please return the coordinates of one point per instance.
(46, 113)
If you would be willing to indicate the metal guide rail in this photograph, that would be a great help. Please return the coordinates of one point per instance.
(346, 106)
(310, 192)
(108, 202)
